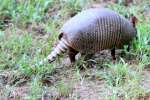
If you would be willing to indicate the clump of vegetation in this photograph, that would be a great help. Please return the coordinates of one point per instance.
(118, 74)
(64, 89)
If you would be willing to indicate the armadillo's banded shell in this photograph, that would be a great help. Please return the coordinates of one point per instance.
(97, 29)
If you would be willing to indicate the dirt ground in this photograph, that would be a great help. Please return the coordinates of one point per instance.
(87, 86)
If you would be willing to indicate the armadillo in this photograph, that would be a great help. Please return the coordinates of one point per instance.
(93, 30)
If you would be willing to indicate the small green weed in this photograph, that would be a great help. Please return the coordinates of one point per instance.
(117, 73)
(36, 88)
(64, 89)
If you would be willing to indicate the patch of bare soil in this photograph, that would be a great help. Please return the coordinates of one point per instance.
(12, 85)
(90, 90)
(91, 87)
(16, 93)
(19, 93)
(146, 84)
(146, 77)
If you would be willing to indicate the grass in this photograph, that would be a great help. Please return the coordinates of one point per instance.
(64, 89)
(118, 74)
(21, 50)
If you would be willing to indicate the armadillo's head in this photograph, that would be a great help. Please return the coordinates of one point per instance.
(51, 58)
(58, 49)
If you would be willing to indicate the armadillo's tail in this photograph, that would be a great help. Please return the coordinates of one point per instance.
(133, 20)
(61, 47)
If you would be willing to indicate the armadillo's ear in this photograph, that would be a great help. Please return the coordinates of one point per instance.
(60, 36)
(133, 20)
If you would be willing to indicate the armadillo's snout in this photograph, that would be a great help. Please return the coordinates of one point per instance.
(51, 58)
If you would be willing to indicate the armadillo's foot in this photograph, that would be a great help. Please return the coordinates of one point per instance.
(113, 54)
(72, 53)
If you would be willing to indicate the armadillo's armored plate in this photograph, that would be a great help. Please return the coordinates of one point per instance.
(97, 29)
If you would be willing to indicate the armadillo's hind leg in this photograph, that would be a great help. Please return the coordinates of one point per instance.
(113, 54)
(72, 53)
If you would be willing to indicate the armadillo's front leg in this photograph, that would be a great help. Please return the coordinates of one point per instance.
(113, 54)
(72, 53)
